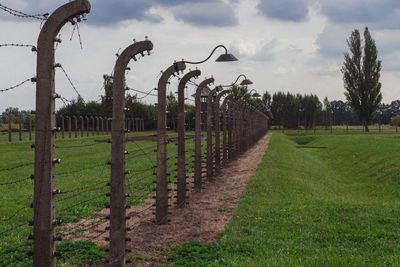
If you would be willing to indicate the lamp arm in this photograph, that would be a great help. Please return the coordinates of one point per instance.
(199, 62)
(237, 79)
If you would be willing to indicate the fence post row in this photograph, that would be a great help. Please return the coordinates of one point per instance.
(82, 125)
(181, 175)
(210, 117)
(69, 127)
(45, 128)
(197, 140)
(87, 126)
(20, 128)
(217, 130)
(162, 179)
(62, 127)
(75, 126)
(225, 126)
(92, 118)
(118, 172)
(9, 128)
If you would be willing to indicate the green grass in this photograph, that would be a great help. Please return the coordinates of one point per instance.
(82, 174)
(313, 207)
(340, 130)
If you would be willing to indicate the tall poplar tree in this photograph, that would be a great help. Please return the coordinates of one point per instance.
(361, 73)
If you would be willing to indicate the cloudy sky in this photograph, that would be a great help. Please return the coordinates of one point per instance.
(282, 45)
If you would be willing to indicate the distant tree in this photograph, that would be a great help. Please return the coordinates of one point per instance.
(311, 106)
(172, 109)
(395, 121)
(361, 73)
(266, 99)
(241, 91)
(10, 113)
(327, 113)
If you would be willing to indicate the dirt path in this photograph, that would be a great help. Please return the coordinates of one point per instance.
(207, 213)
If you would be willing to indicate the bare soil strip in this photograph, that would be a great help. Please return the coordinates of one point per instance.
(207, 213)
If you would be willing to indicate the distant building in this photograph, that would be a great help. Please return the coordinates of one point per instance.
(203, 101)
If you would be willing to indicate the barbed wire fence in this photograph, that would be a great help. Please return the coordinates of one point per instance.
(91, 203)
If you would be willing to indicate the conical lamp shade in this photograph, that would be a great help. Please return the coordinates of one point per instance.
(226, 58)
(246, 82)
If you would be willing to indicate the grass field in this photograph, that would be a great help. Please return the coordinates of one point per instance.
(338, 206)
(82, 176)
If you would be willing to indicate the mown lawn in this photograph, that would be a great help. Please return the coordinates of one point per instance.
(82, 177)
(338, 206)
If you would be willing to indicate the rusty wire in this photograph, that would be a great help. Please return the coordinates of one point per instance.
(13, 215)
(15, 86)
(34, 49)
(16, 181)
(17, 167)
(70, 82)
(20, 14)
(145, 93)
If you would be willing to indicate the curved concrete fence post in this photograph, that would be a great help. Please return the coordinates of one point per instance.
(162, 179)
(92, 118)
(210, 117)
(98, 125)
(87, 126)
(225, 125)
(197, 146)
(118, 172)
(69, 127)
(45, 129)
(82, 125)
(217, 152)
(181, 176)
(62, 126)
(76, 126)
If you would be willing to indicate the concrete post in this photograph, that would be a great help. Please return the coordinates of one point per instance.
(69, 127)
(44, 204)
(210, 117)
(181, 177)
(225, 125)
(162, 181)
(87, 126)
(92, 125)
(62, 126)
(217, 130)
(76, 126)
(9, 128)
(118, 172)
(20, 128)
(197, 140)
(82, 125)
(97, 125)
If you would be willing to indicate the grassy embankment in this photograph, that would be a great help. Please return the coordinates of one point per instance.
(338, 206)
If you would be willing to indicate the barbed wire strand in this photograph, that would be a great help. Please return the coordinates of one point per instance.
(16, 181)
(13, 215)
(146, 93)
(79, 35)
(15, 86)
(12, 229)
(33, 48)
(69, 80)
(20, 14)
(16, 167)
